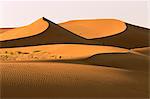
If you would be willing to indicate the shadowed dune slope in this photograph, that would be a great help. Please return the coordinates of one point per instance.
(54, 34)
(49, 80)
(145, 50)
(56, 51)
(95, 28)
(132, 37)
(119, 60)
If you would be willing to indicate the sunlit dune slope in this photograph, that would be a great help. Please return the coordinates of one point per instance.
(56, 52)
(145, 50)
(49, 80)
(128, 61)
(2, 30)
(95, 28)
(35, 28)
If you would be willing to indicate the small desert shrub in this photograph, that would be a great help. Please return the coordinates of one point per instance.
(6, 52)
(11, 53)
(60, 57)
(19, 52)
(25, 53)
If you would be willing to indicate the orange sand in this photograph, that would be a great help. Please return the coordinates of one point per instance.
(25, 31)
(95, 28)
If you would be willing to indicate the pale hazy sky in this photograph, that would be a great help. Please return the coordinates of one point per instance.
(20, 13)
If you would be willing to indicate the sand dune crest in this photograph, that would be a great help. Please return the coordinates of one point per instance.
(35, 28)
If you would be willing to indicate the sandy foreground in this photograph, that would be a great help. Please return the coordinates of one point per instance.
(26, 80)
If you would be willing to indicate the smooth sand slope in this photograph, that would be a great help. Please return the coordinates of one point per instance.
(144, 51)
(26, 80)
(95, 28)
(56, 52)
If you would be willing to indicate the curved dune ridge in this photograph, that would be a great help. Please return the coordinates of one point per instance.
(2, 30)
(145, 50)
(97, 28)
(56, 51)
(70, 80)
(35, 28)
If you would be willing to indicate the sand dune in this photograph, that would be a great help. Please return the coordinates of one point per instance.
(132, 37)
(128, 61)
(84, 28)
(145, 50)
(56, 52)
(95, 28)
(114, 32)
(49, 80)
(25, 31)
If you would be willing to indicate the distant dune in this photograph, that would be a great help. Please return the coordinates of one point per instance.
(97, 28)
(132, 37)
(55, 52)
(55, 80)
